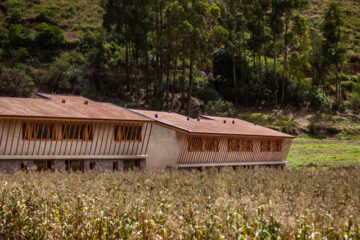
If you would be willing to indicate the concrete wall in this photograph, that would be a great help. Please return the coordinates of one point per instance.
(163, 148)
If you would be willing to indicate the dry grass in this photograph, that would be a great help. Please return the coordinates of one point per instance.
(260, 204)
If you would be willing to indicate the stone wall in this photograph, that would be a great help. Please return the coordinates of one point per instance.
(11, 166)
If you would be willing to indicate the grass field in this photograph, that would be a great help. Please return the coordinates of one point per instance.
(332, 153)
(246, 204)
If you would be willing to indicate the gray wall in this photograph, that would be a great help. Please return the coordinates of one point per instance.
(163, 148)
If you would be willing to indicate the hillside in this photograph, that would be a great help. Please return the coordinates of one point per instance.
(144, 56)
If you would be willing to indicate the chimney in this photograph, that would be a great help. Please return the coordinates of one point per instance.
(86, 102)
(63, 101)
(156, 116)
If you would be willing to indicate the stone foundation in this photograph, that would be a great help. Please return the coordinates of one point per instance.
(11, 166)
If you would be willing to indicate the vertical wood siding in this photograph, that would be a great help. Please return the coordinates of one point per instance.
(225, 155)
(103, 143)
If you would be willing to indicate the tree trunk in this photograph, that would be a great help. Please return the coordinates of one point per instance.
(190, 84)
(259, 72)
(183, 84)
(127, 68)
(167, 87)
(285, 61)
(173, 86)
(275, 75)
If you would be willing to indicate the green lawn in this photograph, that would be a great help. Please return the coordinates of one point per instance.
(333, 153)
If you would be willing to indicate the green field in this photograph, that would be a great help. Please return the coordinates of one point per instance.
(332, 153)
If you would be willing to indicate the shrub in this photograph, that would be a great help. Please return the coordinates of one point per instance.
(220, 108)
(333, 130)
(57, 78)
(14, 82)
(15, 15)
(47, 13)
(48, 41)
(355, 98)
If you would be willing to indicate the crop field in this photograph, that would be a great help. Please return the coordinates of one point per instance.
(244, 204)
(329, 153)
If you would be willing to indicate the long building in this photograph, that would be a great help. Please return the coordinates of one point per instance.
(73, 133)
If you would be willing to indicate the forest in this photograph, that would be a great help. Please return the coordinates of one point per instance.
(171, 54)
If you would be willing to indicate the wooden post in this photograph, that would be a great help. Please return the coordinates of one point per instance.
(147, 144)
(13, 136)
(107, 138)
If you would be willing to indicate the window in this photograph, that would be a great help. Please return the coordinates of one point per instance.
(92, 165)
(77, 132)
(246, 145)
(37, 131)
(116, 166)
(240, 145)
(195, 144)
(271, 146)
(265, 146)
(234, 145)
(276, 146)
(211, 145)
(44, 165)
(201, 144)
(128, 133)
(131, 164)
(74, 165)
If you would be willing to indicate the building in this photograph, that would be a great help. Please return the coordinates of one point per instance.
(61, 132)
(58, 132)
(184, 142)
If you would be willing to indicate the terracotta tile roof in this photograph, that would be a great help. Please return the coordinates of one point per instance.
(211, 125)
(73, 108)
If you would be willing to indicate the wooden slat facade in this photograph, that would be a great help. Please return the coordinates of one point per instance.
(223, 155)
(28, 139)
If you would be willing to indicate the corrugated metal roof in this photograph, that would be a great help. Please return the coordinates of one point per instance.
(74, 108)
(211, 124)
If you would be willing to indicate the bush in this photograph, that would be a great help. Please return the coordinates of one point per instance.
(355, 98)
(57, 78)
(14, 82)
(220, 108)
(333, 130)
(48, 41)
(207, 94)
(47, 13)
(15, 15)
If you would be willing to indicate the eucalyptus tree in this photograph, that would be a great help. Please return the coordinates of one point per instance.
(289, 6)
(201, 33)
(131, 21)
(333, 45)
(233, 20)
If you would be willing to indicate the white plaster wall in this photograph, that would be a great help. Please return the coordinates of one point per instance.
(163, 148)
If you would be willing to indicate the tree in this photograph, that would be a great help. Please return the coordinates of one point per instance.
(289, 7)
(48, 41)
(201, 20)
(333, 48)
(14, 82)
(57, 78)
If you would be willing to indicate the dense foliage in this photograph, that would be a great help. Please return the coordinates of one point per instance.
(246, 204)
(164, 52)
